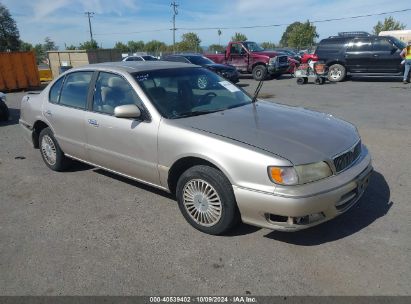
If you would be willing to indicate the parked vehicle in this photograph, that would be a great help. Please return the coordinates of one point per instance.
(308, 57)
(140, 58)
(359, 53)
(222, 155)
(290, 53)
(229, 72)
(249, 57)
(4, 110)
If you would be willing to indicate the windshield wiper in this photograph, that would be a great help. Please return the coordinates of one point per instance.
(195, 113)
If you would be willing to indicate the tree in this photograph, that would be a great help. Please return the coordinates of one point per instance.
(40, 53)
(239, 37)
(88, 45)
(190, 42)
(135, 46)
(155, 46)
(122, 47)
(216, 48)
(71, 47)
(9, 34)
(302, 35)
(389, 24)
(49, 45)
(267, 45)
(25, 46)
(284, 37)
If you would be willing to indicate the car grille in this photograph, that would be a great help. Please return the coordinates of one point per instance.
(346, 159)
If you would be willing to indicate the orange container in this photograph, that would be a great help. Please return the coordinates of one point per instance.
(18, 71)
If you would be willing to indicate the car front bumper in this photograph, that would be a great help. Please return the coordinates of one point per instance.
(294, 208)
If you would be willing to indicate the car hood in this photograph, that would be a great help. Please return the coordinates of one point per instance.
(299, 135)
(270, 54)
(217, 66)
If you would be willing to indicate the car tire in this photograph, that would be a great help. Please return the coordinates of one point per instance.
(4, 112)
(206, 200)
(336, 73)
(51, 152)
(259, 72)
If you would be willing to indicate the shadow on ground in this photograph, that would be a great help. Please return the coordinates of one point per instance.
(374, 204)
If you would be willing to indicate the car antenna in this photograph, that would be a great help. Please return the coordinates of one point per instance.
(257, 90)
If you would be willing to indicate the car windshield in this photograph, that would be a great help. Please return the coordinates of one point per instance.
(398, 43)
(185, 92)
(253, 47)
(199, 60)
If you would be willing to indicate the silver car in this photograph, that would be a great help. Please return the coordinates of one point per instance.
(186, 130)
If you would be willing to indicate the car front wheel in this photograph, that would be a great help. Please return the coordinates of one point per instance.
(206, 199)
(336, 73)
(259, 72)
(51, 152)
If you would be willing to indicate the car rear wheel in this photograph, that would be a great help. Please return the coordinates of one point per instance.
(206, 199)
(336, 73)
(259, 72)
(51, 152)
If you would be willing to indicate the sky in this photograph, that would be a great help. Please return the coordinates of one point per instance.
(64, 21)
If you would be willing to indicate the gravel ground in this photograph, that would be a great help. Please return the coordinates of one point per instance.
(88, 232)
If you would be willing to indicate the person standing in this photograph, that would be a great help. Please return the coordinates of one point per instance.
(406, 54)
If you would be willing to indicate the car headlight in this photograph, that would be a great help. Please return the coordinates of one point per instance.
(298, 175)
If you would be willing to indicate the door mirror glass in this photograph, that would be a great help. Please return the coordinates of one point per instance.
(127, 111)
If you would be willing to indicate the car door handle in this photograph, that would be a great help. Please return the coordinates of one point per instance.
(93, 122)
(376, 55)
(47, 113)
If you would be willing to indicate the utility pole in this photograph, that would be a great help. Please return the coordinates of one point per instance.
(90, 15)
(174, 5)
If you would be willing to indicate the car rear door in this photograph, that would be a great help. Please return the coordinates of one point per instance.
(66, 109)
(238, 57)
(386, 56)
(358, 55)
(127, 146)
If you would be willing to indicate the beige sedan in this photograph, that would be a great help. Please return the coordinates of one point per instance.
(186, 130)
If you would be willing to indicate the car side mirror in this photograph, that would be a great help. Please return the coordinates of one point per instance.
(127, 111)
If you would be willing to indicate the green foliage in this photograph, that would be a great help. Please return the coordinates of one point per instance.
(155, 46)
(88, 45)
(122, 47)
(302, 35)
(216, 48)
(389, 24)
(267, 45)
(49, 45)
(9, 34)
(239, 37)
(71, 47)
(135, 46)
(284, 37)
(25, 46)
(40, 53)
(190, 42)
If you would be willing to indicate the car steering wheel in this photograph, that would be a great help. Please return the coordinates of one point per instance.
(206, 98)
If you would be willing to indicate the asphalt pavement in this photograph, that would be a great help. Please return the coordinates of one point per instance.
(89, 232)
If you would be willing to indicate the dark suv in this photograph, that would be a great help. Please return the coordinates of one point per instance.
(359, 53)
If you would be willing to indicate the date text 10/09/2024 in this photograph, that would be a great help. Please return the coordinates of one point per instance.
(199, 299)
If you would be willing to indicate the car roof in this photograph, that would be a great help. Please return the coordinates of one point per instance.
(134, 66)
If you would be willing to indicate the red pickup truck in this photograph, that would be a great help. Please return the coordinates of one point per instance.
(249, 57)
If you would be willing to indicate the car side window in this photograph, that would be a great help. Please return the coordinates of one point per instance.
(55, 90)
(359, 45)
(382, 45)
(236, 48)
(111, 91)
(75, 89)
(134, 59)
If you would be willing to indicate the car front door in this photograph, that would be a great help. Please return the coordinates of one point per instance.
(66, 109)
(124, 145)
(386, 56)
(358, 55)
(238, 57)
